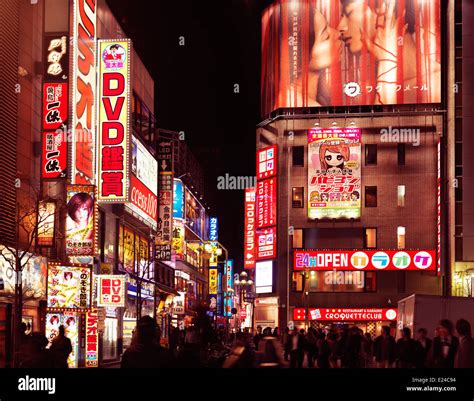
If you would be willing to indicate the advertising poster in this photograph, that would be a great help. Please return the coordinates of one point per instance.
(46, 218)
(264, 277)
(70, 321)
(33, 275)
(114, 138)
(178, 238)
(111, 290)
(69, 286)
(334, 166)
(367, 260)
(81, 220)
(342, 53)
(83, 88)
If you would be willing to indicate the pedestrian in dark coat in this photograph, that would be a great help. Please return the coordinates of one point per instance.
(423, 348)
(384, 349)
(324, 351)
(445, 345)
(145, 350)
(406, 350)
(38, 356)
(465, 354)
(61, 347)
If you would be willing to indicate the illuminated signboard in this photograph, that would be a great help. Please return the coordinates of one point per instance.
(55, 105)
(56, 57)
(266, 202)
(249, 229)
(114, 136)
(267, 162)
(69, 320)
(111, 290)
(178, 199)
(178, 238)
(368, 260)
(264, 277)
(54, 155)
(179, 303)
(92, 339)
(33, 275)
(165, 200)
(338, 53)
(143, 183)
(229, 279)
(147, 290)
(219, 294)
(266, 243)
(46, 216)
(212, 281)
(81, 220)
(213, 229)
(334, 164)
(83, 92)
(346, 314)
(69, 286)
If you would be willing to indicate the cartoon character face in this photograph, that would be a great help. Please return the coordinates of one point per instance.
(333, 159)
(324, 197)
(345, 196)
(314, 197)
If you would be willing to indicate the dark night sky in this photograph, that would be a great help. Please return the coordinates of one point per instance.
(194, 87)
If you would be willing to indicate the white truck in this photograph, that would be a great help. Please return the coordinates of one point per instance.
(425, 311)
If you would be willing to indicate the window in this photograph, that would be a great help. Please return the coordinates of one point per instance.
(370, 238)
(400, 237)
(370, 196)
(298, 196)
(297, 238)
(370, 155)
(401, 154)
(297, 282)
(298, 156)
(401, 196)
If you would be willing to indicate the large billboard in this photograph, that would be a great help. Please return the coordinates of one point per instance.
(342, 53)
(144, 183)
(81, 220)
(364, 259)
(178, 199)
(334, 166)
(113, 132)
(264, 277)
(83, 92)
(195, 213)
(266, 202)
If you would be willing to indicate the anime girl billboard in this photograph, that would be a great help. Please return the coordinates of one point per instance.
(334, 173)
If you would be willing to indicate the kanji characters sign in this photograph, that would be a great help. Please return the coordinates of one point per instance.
(111, 290)
(69, 286)
(249, 229)
(114, 137)
(92, 339)
(266, 202)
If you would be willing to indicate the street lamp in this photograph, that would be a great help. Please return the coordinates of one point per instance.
(243, 283)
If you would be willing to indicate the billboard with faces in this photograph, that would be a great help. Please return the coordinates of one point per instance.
(350, 52)
(334, 182)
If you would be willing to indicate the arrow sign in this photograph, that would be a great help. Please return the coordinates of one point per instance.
(164, 165)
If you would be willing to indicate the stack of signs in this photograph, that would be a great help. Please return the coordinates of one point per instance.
(55, 105)
(266, 203)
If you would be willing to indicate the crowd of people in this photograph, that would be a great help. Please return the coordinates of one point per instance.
(349, 347)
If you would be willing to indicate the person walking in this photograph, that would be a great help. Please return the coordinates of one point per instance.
(311, 347)
(332, 342)
(286, 342)
(368, 349)
(38, 356)
(301, 347)
(445, 345)
(258, 336)
(423, 348)
(61, 347)
(406, 350)
(145, 350)
(384, 349)
(465, 353)
(324, 351)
